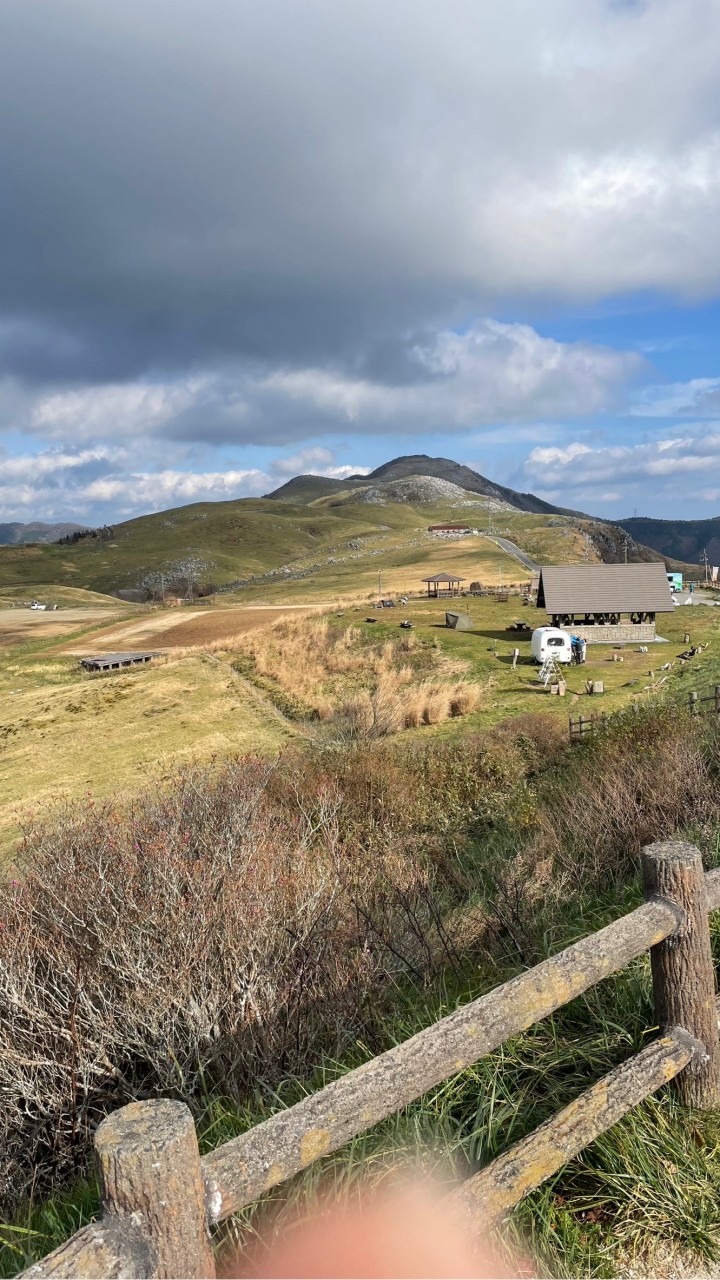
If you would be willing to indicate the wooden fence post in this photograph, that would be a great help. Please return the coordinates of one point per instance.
(150, 1172)
(682, 965)
(717, 699)
(693, 702)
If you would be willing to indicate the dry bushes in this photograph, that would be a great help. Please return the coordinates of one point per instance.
(220, 934)
(226, 931)
(579, 830)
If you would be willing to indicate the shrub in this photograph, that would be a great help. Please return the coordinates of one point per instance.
(220, 933)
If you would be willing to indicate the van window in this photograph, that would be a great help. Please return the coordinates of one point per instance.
(557, 641)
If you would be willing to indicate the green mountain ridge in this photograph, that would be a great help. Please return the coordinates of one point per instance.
(259, 542)
(677, 539)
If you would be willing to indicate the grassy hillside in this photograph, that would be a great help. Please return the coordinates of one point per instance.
(217, 541)
(64, 597)
(224, 542)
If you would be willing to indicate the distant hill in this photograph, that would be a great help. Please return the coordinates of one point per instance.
(313, 527)
(16, 534)
(306, 489)
(677, 539)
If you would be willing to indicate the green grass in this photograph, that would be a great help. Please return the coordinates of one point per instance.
(487, 653)
(225, 541)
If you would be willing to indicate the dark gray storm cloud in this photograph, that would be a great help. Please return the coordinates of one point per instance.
(190, 183)
(263, 222)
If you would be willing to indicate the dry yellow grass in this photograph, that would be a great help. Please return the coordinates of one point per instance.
(107, 734)
(206, 628)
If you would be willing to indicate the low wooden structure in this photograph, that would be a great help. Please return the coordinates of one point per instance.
(443, 584)
(160, 1197)
(605, 602)
(116, 661)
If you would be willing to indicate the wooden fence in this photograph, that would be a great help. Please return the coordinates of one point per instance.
(161, 1198)
(582, 727)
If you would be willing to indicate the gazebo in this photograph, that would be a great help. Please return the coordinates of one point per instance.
(443, 584)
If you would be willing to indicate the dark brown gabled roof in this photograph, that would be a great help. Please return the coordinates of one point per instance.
(443, 577)
(604, 588)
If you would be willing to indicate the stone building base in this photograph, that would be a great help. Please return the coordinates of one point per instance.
(624, 633)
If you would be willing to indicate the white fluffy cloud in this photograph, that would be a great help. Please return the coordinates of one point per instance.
(492, 372)
(663, 468)
(317, 461)
(699, 396)
(98, 484)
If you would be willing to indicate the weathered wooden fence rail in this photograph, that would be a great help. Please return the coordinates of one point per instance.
(582, 727)
(160, 1198)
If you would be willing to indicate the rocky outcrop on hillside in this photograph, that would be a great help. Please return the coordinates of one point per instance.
(426, 489)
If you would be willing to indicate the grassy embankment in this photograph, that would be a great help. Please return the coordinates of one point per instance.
(515, 842)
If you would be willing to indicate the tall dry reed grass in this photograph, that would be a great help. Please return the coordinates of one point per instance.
(372, 690)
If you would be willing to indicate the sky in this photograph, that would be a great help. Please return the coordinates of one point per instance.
(246, 239)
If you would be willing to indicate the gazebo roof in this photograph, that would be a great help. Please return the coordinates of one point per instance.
(443, 577)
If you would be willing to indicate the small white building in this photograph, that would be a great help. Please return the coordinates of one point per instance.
(551, 642)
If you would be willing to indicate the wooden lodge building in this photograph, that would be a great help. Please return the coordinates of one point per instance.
(605, 602)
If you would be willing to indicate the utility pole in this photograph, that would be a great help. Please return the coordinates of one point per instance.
(704, 560)
(625, 548)
(380, 594)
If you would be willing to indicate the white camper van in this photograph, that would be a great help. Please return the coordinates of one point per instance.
(551, 642)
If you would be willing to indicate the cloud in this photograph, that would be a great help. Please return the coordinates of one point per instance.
(699, 397)
(99, 484)
(296, 183)
(669, 466)
(493, 372)
(258, 224)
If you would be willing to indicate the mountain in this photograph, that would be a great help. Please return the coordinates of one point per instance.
(305, 489)
(678, 539)
(338, 532)
(15, 534)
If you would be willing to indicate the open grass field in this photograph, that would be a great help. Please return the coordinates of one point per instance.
(112, 734)
(487, 654)
(25, 626)
(168, 630)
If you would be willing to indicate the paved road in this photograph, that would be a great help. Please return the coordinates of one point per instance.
(512, 550)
